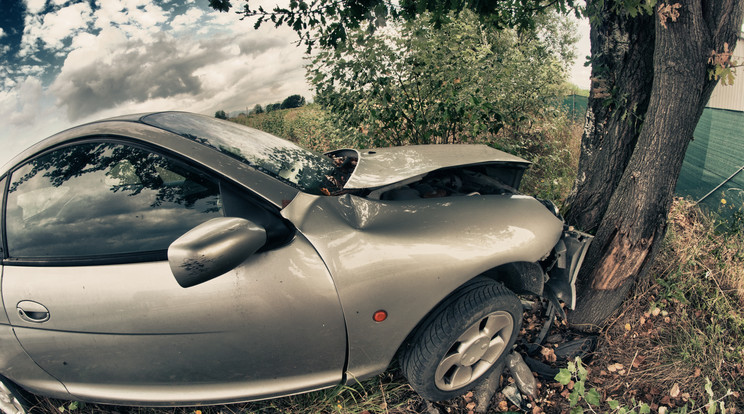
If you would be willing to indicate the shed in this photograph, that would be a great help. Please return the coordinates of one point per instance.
(713, 168)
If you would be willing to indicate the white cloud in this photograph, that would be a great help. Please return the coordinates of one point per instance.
(137, 18)
(27, 114)
(139, 58)
(35, 6)
(2, 33)
(113, 71)
(188, 20)
(64, 23)
(51, 29)
(20, 104)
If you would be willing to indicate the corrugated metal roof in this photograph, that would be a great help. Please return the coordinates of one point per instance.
(731, 97)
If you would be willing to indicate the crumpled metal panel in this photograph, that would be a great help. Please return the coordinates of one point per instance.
(406, 256)
(383, 166)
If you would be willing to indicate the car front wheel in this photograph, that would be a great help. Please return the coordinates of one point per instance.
(469, 334)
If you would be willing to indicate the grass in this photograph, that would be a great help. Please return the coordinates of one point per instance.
(685, 322)
(385, 394)
(703, 287)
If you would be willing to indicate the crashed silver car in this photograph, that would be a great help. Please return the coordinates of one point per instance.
(176, 259)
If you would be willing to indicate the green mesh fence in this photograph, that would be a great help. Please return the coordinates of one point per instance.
(576, 105)
(716, 153)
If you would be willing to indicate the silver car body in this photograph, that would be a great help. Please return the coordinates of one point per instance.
(289, 319)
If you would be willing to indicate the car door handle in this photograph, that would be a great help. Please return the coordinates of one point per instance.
(31, 311)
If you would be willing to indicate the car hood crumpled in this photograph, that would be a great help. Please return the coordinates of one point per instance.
(384, 166)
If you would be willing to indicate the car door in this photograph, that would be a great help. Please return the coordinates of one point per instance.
(91, 297)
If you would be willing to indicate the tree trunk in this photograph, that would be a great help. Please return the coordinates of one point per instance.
(634, 224)
(622, 73)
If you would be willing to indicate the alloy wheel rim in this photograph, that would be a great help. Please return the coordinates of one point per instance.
(475, 351)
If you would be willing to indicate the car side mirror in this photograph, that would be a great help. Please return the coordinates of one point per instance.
(213, 248)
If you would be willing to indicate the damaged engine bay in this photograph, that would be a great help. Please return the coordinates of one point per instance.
(479, 179)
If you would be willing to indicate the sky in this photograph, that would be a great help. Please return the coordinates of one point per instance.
(67, 62)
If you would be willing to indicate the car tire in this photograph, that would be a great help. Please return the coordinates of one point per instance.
(459, 344)
(12, 398)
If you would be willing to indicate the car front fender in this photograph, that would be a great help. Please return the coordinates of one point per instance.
(404, 257)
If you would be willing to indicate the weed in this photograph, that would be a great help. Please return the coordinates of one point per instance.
(580, 399)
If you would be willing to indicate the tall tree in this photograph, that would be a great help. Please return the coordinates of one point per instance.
(651, 78)
(293, 101)
(632, 153)
(414, 85)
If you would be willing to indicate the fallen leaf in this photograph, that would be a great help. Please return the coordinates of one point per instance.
(656, 311)
(470, 406)
(615, 367)
(697, 372)
(674, 393)
(548, 354)
(503, 405)
(627, 327)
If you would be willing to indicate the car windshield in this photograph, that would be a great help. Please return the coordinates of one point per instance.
(277, 157)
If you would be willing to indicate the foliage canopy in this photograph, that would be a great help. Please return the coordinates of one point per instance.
(328, 23)
(414, 84)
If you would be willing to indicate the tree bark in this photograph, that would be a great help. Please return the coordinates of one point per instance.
(634, 224)
(622, 50)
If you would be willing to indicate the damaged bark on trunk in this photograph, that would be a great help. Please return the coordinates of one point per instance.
(633, 226)
(622, 51)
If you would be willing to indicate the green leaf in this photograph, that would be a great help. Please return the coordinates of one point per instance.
(563, 376)
(572, 367)
(579, 387)
(592, 397)
(612, 403)
(573, 398)
(708, 387)
(577, 410)
(645, 409)
(712, 408)
(581, 370)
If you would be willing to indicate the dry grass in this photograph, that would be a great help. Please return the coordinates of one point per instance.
(684, 323)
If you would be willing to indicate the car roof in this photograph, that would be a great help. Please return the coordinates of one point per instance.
(130, 127)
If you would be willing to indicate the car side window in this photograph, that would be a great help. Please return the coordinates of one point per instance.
(103, 199)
